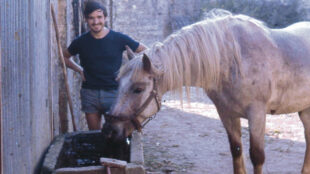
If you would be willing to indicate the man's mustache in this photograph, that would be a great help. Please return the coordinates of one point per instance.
(96, 24)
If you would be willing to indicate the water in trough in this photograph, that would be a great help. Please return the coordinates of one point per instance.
(86, 150)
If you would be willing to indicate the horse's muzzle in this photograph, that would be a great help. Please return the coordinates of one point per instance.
(111, 133)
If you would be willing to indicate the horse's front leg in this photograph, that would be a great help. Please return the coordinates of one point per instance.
(257, 121)
(305, 118)
(233, 129)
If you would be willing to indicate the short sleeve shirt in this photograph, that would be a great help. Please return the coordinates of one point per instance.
(101, 58)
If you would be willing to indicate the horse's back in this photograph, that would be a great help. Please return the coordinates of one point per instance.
(293, 42)
(299, 28)
(278, 60)
(301, 31)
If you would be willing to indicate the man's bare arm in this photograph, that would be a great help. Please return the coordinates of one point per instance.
(71, 64)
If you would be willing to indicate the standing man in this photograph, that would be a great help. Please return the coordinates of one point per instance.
(100, 52)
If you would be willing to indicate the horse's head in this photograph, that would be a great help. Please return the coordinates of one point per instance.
(138, 98)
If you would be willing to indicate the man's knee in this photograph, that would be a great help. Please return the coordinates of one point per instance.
(93, 121)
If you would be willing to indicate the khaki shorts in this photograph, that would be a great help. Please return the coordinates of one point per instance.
(97, 101)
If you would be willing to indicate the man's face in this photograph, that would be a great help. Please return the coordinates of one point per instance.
(96, 21)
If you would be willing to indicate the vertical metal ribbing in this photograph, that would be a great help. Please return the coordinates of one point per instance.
(24, 72)
(16, 112)
(1, 131)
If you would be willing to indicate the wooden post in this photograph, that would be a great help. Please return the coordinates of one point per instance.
(62, 59)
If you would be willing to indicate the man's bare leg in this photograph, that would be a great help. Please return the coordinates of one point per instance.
(93, 121)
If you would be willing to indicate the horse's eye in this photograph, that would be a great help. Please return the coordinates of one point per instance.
(137, 90)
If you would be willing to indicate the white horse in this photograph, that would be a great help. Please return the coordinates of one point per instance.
(247, 69)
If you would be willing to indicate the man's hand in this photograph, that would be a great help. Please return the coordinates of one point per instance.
(140, 48)
(73, 65)
(82, 75)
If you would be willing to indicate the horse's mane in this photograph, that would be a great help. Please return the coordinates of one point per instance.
(194, 55)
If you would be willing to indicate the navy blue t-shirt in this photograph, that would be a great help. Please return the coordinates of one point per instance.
(101, 58)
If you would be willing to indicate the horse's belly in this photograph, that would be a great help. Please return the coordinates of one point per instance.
(287, 109)
(290, 103)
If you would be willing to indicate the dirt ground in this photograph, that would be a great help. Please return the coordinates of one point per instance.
(192, 140)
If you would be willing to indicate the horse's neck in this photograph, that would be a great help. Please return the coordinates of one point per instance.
(198, 55)
(192, 73)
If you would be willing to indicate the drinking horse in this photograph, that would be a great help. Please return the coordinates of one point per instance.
(247, 69)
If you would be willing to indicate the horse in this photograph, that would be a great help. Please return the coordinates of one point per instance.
(247, 69)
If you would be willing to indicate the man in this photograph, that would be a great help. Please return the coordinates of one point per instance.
(100, 51)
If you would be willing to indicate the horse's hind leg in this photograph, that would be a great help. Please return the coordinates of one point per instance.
(233, 128)
(305, 118)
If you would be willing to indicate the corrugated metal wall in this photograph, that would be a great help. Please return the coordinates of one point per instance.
(39, 82)
(25, 61)
(1, 140)
(31, 80)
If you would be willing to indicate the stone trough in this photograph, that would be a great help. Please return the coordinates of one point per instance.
(80, 153)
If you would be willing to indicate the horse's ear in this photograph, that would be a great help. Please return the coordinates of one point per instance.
(146, 63)
(130, 53)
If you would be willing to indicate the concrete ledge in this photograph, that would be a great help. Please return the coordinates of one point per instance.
(51, 157)
(81, 170)
(134, 167)
(136, 149)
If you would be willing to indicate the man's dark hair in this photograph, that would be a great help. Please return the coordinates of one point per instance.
(92, 6)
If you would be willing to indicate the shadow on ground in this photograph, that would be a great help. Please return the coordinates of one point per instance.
(193, 140)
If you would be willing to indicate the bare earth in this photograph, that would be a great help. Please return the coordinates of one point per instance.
(192, 140)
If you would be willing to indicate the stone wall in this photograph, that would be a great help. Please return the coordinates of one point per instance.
(152, 20)
(274, 13)
(144, 20)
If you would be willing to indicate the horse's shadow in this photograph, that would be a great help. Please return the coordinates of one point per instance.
(193, 140)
